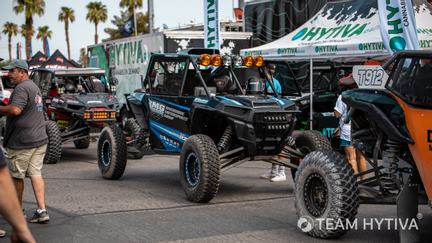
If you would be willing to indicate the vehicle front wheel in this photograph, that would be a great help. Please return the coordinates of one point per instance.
(112, 153)
(199, 168)
(326, 194)
(53, 151)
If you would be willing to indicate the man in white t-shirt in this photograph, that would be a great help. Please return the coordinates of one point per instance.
(354, 157)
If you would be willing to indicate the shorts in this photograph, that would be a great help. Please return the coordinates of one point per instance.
(345, 143)
(26, 162)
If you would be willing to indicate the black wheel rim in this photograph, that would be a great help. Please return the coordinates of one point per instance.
(315, 194)
(192, 169)
(106, 153)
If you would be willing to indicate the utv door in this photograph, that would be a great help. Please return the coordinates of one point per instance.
(167, 118)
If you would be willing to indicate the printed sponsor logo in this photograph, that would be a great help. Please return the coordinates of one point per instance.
(157, 107)
(320, 33)
(201, 101)
(326, 49)
(397, 42)
(287, 51)
(371, 46)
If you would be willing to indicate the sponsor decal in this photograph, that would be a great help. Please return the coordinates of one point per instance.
(38, 102)
(91, 101)
(157, 107)
(201, 101)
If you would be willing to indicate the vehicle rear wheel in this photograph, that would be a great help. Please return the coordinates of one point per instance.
(53, 151)
(133, 131)
(308, 141)
(82, 143)
(112, 153)
(326, 192)
(199, 168)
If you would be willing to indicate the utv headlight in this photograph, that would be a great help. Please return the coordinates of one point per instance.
(61, 90)
(113, 88)
(237, 61)
(226, 60)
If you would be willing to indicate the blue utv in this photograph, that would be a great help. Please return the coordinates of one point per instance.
(215, 111)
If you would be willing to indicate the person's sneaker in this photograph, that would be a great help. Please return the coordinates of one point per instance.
(267, 175)
(280, 177)
(2, 233)
(40, 216)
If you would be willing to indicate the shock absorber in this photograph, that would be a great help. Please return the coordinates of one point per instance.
(225, 140)
(390, 163)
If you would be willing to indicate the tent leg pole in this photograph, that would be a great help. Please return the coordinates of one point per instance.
(311, 95)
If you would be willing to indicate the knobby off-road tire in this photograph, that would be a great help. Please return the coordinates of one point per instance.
(325, 188)
(53, 151)
(112, 153)
(82, 143)
(133, 129)
(199, 168)
(308, 141)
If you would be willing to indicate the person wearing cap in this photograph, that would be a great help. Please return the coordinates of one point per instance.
(354, 157)
(25, 136)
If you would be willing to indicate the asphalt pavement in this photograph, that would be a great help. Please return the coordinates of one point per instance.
(148, 205)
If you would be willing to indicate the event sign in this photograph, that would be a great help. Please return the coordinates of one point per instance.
(211, 24)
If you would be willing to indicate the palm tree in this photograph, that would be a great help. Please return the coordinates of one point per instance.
(10, 29)
(30, 8)
(131, 4)
(67, 15)
(97, 12)
(44, 33)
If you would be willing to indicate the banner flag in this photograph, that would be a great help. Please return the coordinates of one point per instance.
(398, 27)
(211, 24)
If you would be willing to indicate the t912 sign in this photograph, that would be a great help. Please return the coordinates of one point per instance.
(370, 77)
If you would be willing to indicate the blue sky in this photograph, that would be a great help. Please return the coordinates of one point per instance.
(81, 32)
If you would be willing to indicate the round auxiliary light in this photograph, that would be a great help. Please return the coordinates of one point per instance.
(216, 60)
(205, 59)
(259, 61)
(248, 61)
(237, 61)
(226, 60)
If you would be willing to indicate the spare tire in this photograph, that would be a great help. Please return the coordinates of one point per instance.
(53, 151)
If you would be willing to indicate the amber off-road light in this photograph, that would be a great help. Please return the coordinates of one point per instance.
(259, 61)
(248, 61)
(216, 60)
(205, 60)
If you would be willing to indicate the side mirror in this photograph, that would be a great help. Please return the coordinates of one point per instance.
(113, 81)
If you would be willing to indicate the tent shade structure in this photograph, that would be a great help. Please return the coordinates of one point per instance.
(58, 61)
(345, 30)
(37, 60)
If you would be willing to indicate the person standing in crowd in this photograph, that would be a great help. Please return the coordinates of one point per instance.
(25, 136)
(10, 208)
(354, 157)
(277, 172)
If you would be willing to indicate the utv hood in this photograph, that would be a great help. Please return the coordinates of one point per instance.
(91, 100)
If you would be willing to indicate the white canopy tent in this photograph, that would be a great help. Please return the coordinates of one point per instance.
(342, 31)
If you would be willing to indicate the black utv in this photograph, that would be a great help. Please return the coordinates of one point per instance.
(216, 112)
(79, 102)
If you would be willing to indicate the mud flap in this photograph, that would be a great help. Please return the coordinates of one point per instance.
(407, 209)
